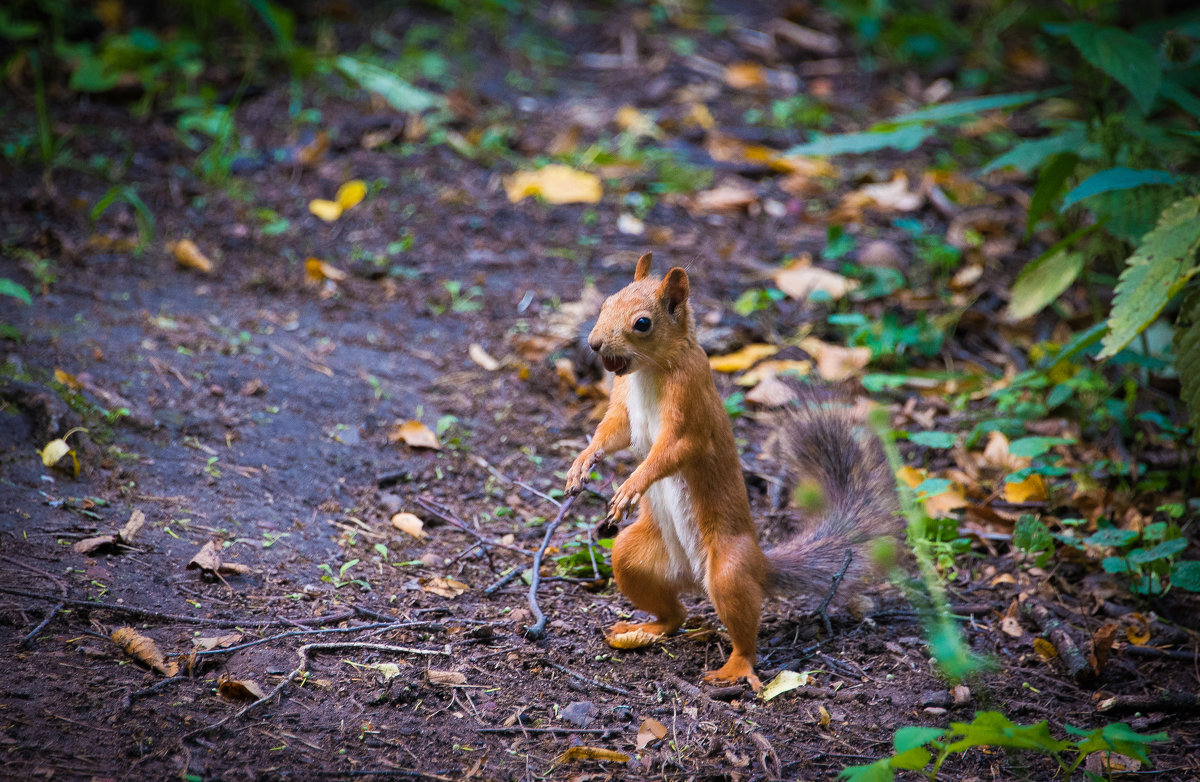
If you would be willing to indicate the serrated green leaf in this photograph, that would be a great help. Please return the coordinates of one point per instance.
(15, 289)
(933, 439)
(1154, 273)
(1032, 153)
(1186, 575)
(1121, 55)
(1118, 178)
(401, 95)
(904, 139)
(1041, 281)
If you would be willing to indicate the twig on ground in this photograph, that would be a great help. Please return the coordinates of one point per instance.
(606, 687)
(303, 653)
(523, 729)
(1162, 654)
(1078, 667)
(440, 511)
(823, 609)
(1168, 702)
(28, 639)
(146, 613)
(504, 579)
(537, 630)
(153, 688)
(378, 626)
(62, 587)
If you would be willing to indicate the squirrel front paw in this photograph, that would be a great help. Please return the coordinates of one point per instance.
(580, 469)
(623, 499)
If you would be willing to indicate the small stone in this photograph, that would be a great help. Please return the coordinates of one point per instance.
(881, 253)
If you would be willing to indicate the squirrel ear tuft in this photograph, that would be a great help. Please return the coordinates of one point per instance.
(674, 289)
(643, 267)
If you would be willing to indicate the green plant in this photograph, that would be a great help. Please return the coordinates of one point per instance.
(890, 340)
(128, 195)
(340, 579)
(913, 746)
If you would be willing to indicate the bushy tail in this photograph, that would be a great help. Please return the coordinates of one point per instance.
(822, 443)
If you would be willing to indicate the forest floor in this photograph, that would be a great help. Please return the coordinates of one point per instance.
(260, 408)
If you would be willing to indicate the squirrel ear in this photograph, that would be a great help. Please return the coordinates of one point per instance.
(674, 289)
(643, 267)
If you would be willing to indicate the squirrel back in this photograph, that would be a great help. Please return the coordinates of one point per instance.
(822, 442)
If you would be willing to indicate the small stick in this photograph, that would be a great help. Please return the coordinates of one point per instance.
(521, 729)
(537, 630)
(504, 579)
(28, 639)
(823, 609)
(1162, 654)
(153, 688)
(1078, 667)
(1169, 702)
(380, 626)
(445, 514)
(62, 587)
(606, 687)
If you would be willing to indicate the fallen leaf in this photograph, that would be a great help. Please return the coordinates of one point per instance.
(388, 671)
(798, 367)
(996, 454)
(189, 255)
(966, 277)
(210, 642)
(893, 196)
(317, 270)
(449, 678)
(783, 682)
(67, 379)
(351, 194)
(481, 357)
(771, 392)
(800, 281)
(208, 559)
(136, 520)
(941, 504)
(635, 122)
(1105, 764)
(1032, 489)
(630, 225)
(1044, 649)
(143, 649)
(651, 730)
(634, 639)
(408, 522)
(723, 198)
(591, 753)
(835, 362)
(823, 716)
(56, 450)
(1138, 631)
(239, 689)
(961, 694)
(1102, 642)
(556, 184)
(445, 587)
(325, 209)
(415, 435)
(88, 545)
(742, 359)
(1010, 623)
(745, 76)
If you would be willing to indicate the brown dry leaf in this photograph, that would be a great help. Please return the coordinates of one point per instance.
(482, 358)
(210, 642)
(996, 455)
(961, 694)
(1032, 489)
(239, 690)
(1044, 649)
(445, 587)
(316, 270)
(939, 504)
(967, 276)
(823, 716)
(801, 280)
(88, 545)
(893, 196)
(742, 359)
(771, 392)
(1102, 642)
(591, 753)
(1010, 624)
(651, 730)
(556, 184)
(136, 520)
(745, 76)
(208, 559)
(775, 367)
(408, 522)
(449, 678)
(189, 255)
(415, 435)
(143, 649)
(1105, 764)
(723, 198)
(634, 639)
(835, 362)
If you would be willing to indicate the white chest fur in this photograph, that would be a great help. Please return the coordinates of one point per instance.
(669, 498)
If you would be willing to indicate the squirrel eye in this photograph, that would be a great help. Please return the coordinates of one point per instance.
(642, 325)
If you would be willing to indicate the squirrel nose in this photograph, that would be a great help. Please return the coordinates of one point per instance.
(595, 344)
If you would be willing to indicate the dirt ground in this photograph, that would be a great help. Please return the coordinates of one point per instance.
(259, 411)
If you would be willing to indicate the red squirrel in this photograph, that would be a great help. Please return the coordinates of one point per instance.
(693, 528)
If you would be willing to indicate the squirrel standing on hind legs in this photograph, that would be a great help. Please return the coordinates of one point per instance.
(694, 528)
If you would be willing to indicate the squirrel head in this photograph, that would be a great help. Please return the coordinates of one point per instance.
(644, 323)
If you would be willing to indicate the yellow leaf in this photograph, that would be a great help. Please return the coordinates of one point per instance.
(742, 359)
(557, 184)
(408, 522)
(634, 639)
(415, 435)
(591, 753)
(482, 358)
(835, 362)
(143, 649)
(824, 717)
(317, 270)
(745, 76)
(911, 476)
(325, 209)
(937, 504)
(785, 681)
(1032, 489)
(54, 451)
(67, 379)
(699, 114)
(351, 194)
(1044, 649)
(189, 255)
(1138, 631)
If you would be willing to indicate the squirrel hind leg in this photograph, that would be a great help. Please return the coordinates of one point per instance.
(641, 562)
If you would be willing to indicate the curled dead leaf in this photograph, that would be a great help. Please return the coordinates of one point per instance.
(634, 639)
(208, 560)
(239, 689)
(188, 254)
(1044, 649)
(835, 362)
(482, 358)
(801, 280)
(448, 678)
(650, 730)
(591, 753)
(445, 587)
(1102, 642)
(742, 359)
(408, 522)
(210, 642)
(414, 434)
(143, 649)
